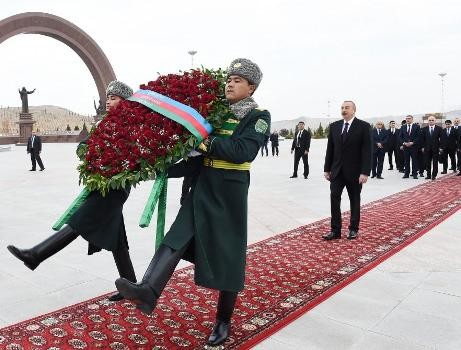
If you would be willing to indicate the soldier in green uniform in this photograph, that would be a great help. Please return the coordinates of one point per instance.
(211, 227)
(99, 220)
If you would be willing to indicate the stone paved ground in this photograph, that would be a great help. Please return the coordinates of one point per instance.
(411, 301)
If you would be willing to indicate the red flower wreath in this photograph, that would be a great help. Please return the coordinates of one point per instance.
(132, 143)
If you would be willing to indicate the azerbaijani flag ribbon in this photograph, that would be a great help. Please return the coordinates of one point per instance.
(179, 112)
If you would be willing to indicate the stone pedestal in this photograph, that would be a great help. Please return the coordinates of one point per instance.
(25, 128)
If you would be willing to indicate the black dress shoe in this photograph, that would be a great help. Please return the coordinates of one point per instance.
(219, 334)
(293, 176)
(415, 177)
(391, 168)
(373, 176)
(42, 169)
(352, 234)
(433, 177)
(443, 172)
(305, 176)
(116, 297)
(379, 177)
(25, 255)
(459, 174)
(32, 170)
(331, 235)
(427, 177)
(405, 177)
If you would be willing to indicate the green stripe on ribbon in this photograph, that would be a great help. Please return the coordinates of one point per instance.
(170, 115)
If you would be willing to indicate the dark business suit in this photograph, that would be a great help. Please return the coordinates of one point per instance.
(449, 143)
(346, 159)
(458, 151)
(301, 144)
(393, 148)
(274, 139)
(381, 137)
(410, 152)
(430, 142)
(34, 147)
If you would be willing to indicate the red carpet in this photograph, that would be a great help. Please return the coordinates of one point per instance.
(287, 275)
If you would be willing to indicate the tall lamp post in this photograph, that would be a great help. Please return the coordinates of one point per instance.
(442, 76)
(192, 53)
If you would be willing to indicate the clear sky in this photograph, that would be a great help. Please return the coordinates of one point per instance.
(385, 55)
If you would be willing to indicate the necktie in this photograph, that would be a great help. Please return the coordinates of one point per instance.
(431, 130)
(409, 129)
(344, 134)
(448, 131)
(32, 142)
(378, 132)
(299, 136)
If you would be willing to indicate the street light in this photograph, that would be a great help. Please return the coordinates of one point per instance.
(442, 76)
(192, 53)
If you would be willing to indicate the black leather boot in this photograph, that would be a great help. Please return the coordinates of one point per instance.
(42, 251)
(221, 329)
(124, 267)
(146, 293)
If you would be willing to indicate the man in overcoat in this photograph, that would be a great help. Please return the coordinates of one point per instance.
(211, 227)
(99, 220)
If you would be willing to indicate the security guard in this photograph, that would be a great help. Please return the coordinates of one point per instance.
(211, 227)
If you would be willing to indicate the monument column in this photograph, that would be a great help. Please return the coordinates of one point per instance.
(25, 118)
(25, 127)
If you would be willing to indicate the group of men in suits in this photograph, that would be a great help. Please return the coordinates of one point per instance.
(417, 149)
(354, 150)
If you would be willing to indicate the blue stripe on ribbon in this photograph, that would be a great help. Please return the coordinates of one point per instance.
(179, 105)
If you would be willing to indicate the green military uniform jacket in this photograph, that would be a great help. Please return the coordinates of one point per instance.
(214, 216)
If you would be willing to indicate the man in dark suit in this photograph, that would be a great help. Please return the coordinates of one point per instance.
(409, 137)
(300, 145)
(347, 164)
(399, 145)
(264, 146)
(430, 143)
(457, 128)
(420, 155)
(393, 146)
(449, 144)
(459, 150)
(274, 139)
(380, 139)
(34, 147)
